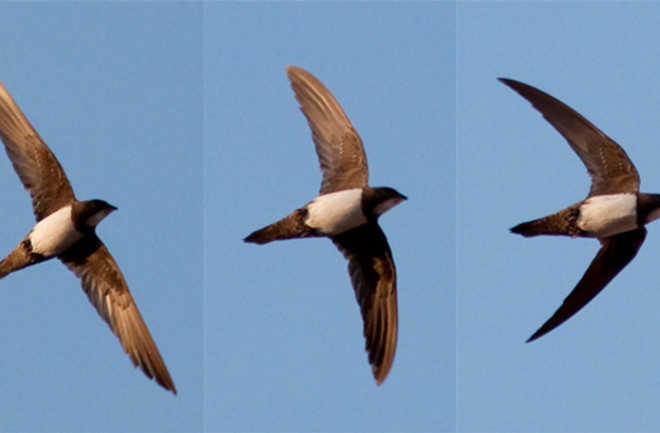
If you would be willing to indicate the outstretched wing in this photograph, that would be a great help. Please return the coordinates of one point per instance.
(41, 173)
(373, 275)
(106, 289)
(338, 145)
(615, 253)
(608, 165)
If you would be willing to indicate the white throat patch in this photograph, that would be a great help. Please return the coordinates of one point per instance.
(608, 215)
(336, 212)
(96, 218)
(54, 234)
(388, 204)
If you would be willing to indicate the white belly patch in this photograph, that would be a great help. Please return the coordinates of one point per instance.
(336, 212)
(54, 234)
(608, 215)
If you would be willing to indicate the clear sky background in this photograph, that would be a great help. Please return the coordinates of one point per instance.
(284, 349)
(115, 90)
(180, 114)
(599, 371)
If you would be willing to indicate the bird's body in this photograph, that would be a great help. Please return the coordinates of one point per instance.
(336, 212)
(54, 234)
(346, 211)
(599, 216)
(615, 211)
(65, 228)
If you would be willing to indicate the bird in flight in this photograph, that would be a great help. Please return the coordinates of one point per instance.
(65, 229)
(346, 211)
(614, 212)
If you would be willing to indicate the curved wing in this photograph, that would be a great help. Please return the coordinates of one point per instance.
(616, 252)
(373, 275)
(338, 145)
(106, 289)
(41, 173)
(608, 165)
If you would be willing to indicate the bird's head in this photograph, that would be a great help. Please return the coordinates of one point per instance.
(384, 199)
(92, 212)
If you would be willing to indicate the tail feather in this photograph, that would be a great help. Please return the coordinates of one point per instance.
(531, 228)
(563, 222)
(19, 258)
(292, 226)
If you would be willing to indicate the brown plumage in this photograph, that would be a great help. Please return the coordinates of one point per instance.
(39, 171)
(562, 223)
(338, 145)
(106, 289)
(344, 166)
(608, 165)
(373, 274)
(612, 174)
(19, 258)
(615, 253)
(290, 227)
(101, 279)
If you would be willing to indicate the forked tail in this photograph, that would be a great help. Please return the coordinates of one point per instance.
(290, 227)
(532, 228)
(563, 222)
(18, 259)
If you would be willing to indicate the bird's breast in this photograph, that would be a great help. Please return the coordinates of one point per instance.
(336, 212)
(54, 234)
(608, 215)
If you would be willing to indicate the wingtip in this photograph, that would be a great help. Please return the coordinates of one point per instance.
(381, 371)
(168, 384)
(379, 375)
(169, 387)
(162, 378)
(539, 333)
(293, 70)
(510, 82)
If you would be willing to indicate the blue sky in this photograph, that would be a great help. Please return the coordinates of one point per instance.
(115, 89)
(256, 339)
(598, 371)
(283, 331)
(181, 115)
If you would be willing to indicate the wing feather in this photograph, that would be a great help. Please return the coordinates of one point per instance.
(338, 145)
(607, 163)
(104, 284)
(373, 274)
(615, 253)
(41, 173)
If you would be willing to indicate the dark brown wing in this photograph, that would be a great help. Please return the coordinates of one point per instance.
(608, 165)
(338, 145)
(616, 252)
(373, 275)
(106, 289)
(35, 164)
